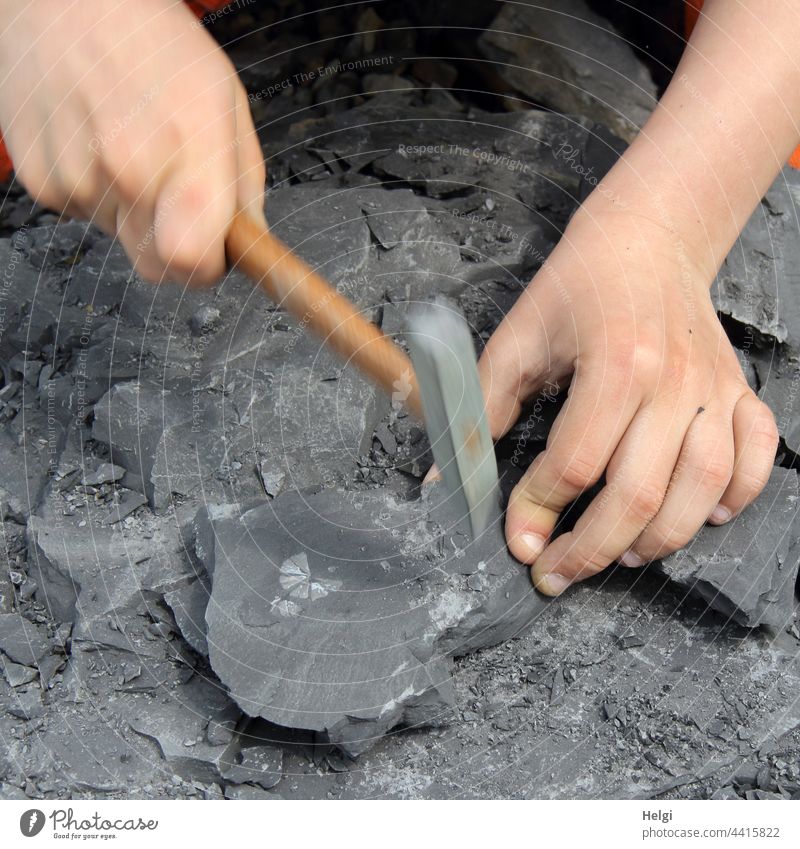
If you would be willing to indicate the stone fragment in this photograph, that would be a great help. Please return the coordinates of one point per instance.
(21, 640)
(561, 54)
(177, 724)
(11, 507)
(189, 604)
(272, 479)
(204, 320)
(100, 576)
(173, 442)
(27, 704)
(123, 505)
(15, 673)
(247, 792)
(221, 729)
(104, 473)
(261, 765)
(385, 83)
(340, 612)
(747, 569)
(386, 438)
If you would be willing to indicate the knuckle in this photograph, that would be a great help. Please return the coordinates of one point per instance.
(646, 360)
(643, 499)
(588, 561)
(662, 541)
(716, 473)
(764, 431)
(750, 481)
(579, 474)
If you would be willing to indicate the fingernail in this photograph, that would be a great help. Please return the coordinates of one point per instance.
(551, 583)
(534, 542)
(719, 515)
(631, 559)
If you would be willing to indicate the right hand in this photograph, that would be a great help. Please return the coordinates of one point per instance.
(130, 114)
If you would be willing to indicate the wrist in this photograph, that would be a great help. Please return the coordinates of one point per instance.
(643, 233)
(662, 215)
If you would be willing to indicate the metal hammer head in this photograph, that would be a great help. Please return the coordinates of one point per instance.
(452, 400)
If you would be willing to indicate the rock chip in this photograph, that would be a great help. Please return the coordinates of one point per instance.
(261, 765)
(21, 640)
(204, 320)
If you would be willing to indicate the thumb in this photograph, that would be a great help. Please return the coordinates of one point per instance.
(515, 364)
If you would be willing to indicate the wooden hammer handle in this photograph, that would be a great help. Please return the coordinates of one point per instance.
(293, 284)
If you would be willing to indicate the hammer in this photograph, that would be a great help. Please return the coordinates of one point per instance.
(443, 390)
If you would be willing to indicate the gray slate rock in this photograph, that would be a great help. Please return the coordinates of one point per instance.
(747, 569)
(779, 379)
(104, 473)
(188, 605)
(21, 640)
(497, 189)
(172, 441)
(15, 673)
(561, 54)
(204, 320)
(261, 765)
(340, 612)
(177, 724)
(759, 282)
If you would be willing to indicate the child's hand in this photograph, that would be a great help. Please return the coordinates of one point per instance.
(658, 401)
(128, 113)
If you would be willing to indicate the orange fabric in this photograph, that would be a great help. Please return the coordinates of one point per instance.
(6, 165)
(203, 7)
(691, 12)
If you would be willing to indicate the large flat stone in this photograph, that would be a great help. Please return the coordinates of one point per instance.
(341, 612)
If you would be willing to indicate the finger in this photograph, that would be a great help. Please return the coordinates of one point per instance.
(585, 435)
(702, 473)
(136, 233)
(636, 481)
(197, 202)
(252, 170)
(515, 363)
(755, 437)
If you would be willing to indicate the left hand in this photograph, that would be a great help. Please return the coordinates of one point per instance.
(657, 402)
